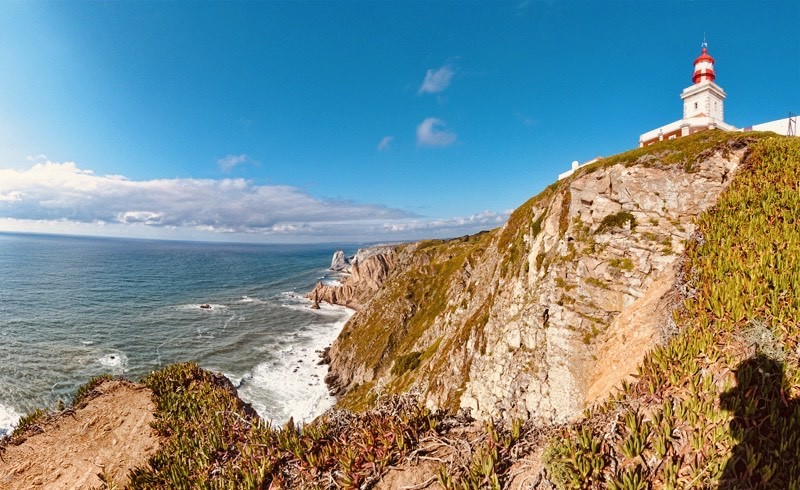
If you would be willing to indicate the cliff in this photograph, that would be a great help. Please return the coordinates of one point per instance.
(367, 271)
(715, 403)
(540, 318)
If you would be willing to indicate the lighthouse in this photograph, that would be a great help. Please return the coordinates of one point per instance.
(703, 97)
(702, 105)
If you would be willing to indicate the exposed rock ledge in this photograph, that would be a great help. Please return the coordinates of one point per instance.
(368, 271)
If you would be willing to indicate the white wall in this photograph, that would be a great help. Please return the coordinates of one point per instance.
(780, 126)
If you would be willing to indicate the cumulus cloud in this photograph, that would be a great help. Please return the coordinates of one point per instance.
(385, 142)
(64, 198)
(63, 190)
(228, 162)
(11, 196)
(146, 217)
(431, 132)
(437, 80)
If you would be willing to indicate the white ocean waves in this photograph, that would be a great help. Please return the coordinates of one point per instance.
(248, 300)
(203, 307)
(296, 302)
(291, 384)
(8, 420)
(116, 362)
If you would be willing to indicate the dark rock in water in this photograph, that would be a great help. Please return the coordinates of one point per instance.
(206, 306)
(221, 381)
(334, 383)
(324, 356)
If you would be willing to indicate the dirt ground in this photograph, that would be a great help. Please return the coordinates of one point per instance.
(110, 435)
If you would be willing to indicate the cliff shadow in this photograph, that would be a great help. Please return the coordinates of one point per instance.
(766, 425)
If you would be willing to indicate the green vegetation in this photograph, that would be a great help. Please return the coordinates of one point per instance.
(87, 391)
(412, 300)
(28, 425)
(212, 440)
(616, 221)
(684, 153)
(405, 363)
(624, 264)
(717, 405)
(487, 465)
(563, 216)
(598, 283)
(437, 270)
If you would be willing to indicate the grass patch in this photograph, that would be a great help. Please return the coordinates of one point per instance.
(593, 281)
(406, 363)
(617, 221)
(623, 264)
(87, 390)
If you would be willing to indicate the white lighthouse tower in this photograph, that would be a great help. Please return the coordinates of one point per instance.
(702, 105)
(704, 97)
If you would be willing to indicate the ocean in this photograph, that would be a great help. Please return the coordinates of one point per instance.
(76, 307)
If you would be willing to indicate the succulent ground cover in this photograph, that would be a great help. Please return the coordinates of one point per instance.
(212, 440)
(717, 405)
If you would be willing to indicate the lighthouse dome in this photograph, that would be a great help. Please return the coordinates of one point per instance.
(704, 67)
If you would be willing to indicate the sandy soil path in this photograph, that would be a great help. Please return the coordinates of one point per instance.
(111, 433)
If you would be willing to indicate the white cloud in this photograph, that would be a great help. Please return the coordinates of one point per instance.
(11, 196)
(437, 80)
(385, 142)
(228, 162)
(64, 191)
(146, 217)
(63, 198)
(483, 220)
(37, 158)
(431, 132)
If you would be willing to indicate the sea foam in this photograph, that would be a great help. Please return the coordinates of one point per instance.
(292, 383)
(8, 420)
(116, 362)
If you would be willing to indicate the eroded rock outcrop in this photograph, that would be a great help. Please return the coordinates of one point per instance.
(368, 271)
(339, 262)
(541, 317)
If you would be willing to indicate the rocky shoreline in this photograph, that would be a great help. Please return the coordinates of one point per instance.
(362, 276)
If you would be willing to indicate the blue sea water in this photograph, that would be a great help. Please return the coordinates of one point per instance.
(76, 307)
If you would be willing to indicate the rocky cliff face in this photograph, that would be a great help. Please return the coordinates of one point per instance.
(543, 316)
(368, 271)
(340, 263)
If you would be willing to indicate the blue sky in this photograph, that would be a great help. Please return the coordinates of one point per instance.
(348, 121)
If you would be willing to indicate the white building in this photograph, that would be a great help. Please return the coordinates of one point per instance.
(576, 166)
(702, 105)
(785, 127)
